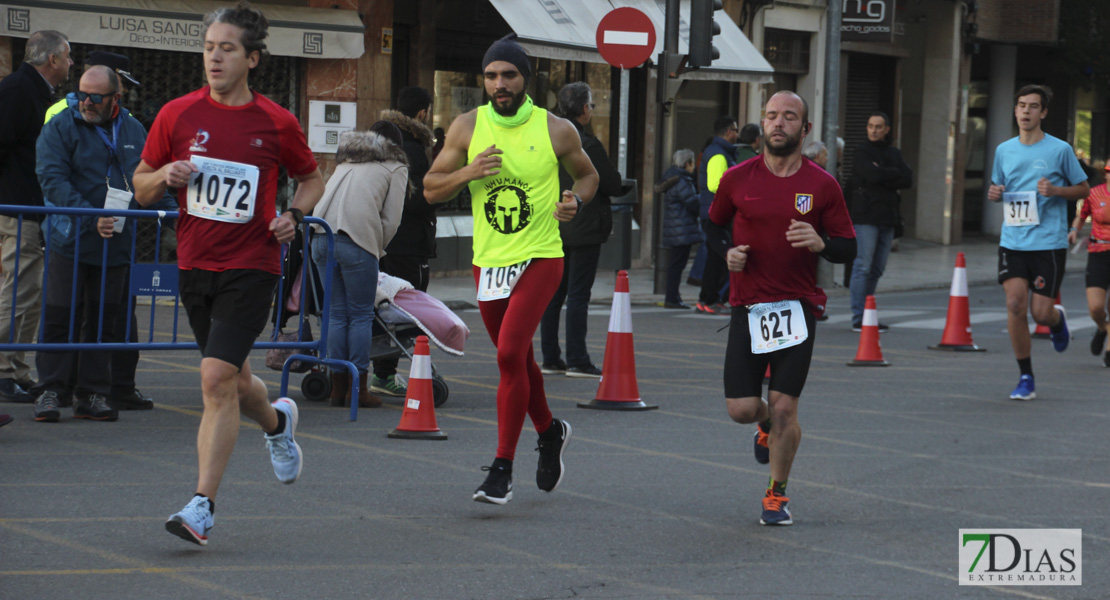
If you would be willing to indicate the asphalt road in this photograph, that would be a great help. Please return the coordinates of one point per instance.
(658, 504)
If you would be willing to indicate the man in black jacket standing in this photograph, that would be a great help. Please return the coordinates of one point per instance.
(414, 244)
(878, 172)
(582, 239)
(24, 97)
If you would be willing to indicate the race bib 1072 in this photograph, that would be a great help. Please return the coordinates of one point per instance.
(222, 190)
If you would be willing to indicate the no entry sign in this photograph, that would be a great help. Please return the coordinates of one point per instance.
(625, 38)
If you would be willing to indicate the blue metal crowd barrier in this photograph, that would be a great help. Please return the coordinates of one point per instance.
(160, 279)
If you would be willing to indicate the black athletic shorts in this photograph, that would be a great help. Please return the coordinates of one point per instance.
(1098, 270)
(1043, 269)
(227, 309)
(744, 371)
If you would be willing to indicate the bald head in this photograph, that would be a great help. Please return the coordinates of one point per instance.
(792, 96)
(785, 123)
(98, 83)
(102, 77)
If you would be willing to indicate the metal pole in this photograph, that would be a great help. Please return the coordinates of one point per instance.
(831, 103)
(830, 113)
(622, 134)
(670, 47)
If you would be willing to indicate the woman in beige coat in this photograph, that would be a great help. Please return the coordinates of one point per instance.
(362, 203)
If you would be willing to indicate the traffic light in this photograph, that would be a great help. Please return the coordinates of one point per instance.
(702, 30)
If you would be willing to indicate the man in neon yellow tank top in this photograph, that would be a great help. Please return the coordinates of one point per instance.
(508, 153)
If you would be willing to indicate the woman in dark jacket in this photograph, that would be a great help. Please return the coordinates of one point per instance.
(680, 220)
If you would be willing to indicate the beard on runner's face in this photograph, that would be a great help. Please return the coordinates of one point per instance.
(781, 146)
(510, 109)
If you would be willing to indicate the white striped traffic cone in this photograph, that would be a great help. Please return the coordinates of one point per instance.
(617, 389)
(870, 352)
(957, 327)
(418, 420)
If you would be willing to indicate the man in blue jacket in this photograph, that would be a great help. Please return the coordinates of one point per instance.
(84, 155)
(719, 155)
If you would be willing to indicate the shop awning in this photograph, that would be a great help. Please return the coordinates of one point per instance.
(566, 30)
(176, 25)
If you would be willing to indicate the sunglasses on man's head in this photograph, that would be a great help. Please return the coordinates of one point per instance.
(96, 98)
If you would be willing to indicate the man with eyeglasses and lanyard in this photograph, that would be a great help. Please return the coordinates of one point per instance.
(85, 155)
(124, 395)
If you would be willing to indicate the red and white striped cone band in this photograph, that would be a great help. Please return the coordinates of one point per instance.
(620, 317)
(870, 317)
(421, 367)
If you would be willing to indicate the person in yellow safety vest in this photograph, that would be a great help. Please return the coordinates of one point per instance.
(117, 62)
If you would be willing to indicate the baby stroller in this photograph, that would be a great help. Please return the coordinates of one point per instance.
(402, 315)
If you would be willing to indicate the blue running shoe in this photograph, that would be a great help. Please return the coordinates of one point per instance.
(285, 454)
(762, 450)
(776, 510)
(1024, 390)
(1060, 340)
(193, 522)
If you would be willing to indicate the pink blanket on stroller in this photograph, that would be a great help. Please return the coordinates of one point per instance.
(441, 324)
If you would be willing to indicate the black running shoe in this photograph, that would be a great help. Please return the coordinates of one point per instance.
(549, 473)
(497, 488)
(46, 408)
(1098, 343)
(586, 371)
(94, 407)
(133, 400)
(554, 368)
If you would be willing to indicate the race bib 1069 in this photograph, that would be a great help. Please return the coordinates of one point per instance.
(776, 325)
(222, 190)
(495, 283)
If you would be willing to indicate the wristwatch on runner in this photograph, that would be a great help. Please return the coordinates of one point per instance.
(298, 215)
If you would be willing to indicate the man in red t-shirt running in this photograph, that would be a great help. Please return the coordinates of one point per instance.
(785, 211)
(220, 148)
(1097, 207)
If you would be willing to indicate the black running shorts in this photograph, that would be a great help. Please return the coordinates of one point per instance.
(227, 309)
(1098, 270)
(744, 371)
(1043, 269)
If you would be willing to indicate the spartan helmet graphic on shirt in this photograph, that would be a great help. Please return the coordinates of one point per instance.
(507, 209)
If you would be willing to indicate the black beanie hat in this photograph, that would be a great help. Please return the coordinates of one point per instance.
(508, 50)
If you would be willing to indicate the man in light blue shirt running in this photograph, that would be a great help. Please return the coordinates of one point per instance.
(1034, 176)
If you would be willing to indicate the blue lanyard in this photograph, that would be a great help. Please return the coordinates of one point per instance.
(111, 143)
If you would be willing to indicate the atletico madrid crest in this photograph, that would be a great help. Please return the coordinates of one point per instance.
(803, 202)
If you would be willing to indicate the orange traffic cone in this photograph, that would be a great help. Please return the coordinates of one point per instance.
(418, 420)
(618, 389)
(869, 353)
(1043, 332)
(957, 328)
